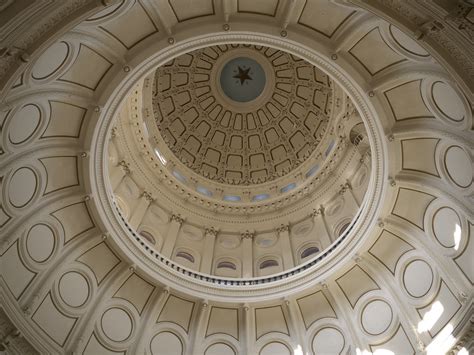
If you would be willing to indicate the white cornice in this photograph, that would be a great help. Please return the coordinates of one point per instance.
(137, 254)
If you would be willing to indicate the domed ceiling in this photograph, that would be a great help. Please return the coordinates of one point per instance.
(114, 241)
(295, 116)
(206, 120)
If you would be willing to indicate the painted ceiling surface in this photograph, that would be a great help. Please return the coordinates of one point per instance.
(116, 235)
(239, 142)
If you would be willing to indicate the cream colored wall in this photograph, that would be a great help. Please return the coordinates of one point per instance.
(65, 287)
(130, 183)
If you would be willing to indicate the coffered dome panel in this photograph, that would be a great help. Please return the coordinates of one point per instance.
(111, 242)
(241, 114)
(237, 231)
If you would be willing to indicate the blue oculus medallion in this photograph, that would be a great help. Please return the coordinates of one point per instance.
(242, 79)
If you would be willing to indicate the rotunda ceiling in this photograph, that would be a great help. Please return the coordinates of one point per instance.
(263, 108)
(241, 114)
(110, 244)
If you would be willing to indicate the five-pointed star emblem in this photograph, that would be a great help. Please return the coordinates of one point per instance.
(243, 75)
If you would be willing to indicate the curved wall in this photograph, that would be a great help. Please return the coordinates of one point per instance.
(66, 286)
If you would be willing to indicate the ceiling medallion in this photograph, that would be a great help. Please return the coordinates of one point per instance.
(242, 79)
(243, 75)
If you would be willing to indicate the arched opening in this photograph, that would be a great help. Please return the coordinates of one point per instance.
(309, 252)
(186, 256)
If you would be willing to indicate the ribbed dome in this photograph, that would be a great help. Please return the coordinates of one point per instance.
(241, 143)
(113, 241)
(209, 225)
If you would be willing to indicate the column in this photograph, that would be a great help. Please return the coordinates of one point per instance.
(199, 329)
(321, 225)
(247, 254)
(139, 211)
(117, 174)
(208, 253)
(296, 323)
(325, 222)
(154, 306)
(15, 343)
(348, 186)
(336, 296)
(172, 235)
(365, 159)
(286, 249)
(246, 327)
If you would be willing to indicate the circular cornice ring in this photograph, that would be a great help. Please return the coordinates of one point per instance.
(296, 279)
(269, 79)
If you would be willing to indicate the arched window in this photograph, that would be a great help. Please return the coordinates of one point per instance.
(329, 148)
(260, 197)
(122, 207)
(312, 171)
(160, 156)
(288, 187)
(184, 255)
(226, 265)
(309, 251)
(268, 263)
(356, 136)
(148, 237)
(343, 228)
(232, 198)
(204, 191)
(179, 176)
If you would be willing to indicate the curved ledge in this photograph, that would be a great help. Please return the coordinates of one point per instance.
(171, 266)
(343, 250)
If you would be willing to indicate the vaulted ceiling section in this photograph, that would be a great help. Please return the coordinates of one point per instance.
(93, 260)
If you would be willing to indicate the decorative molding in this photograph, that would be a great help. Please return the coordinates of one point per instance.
(283, 228)
(125, 166)
(45, 20)
(300, 280)
(247, 235)
(148, 196)
(177, 218)
(211, 232)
